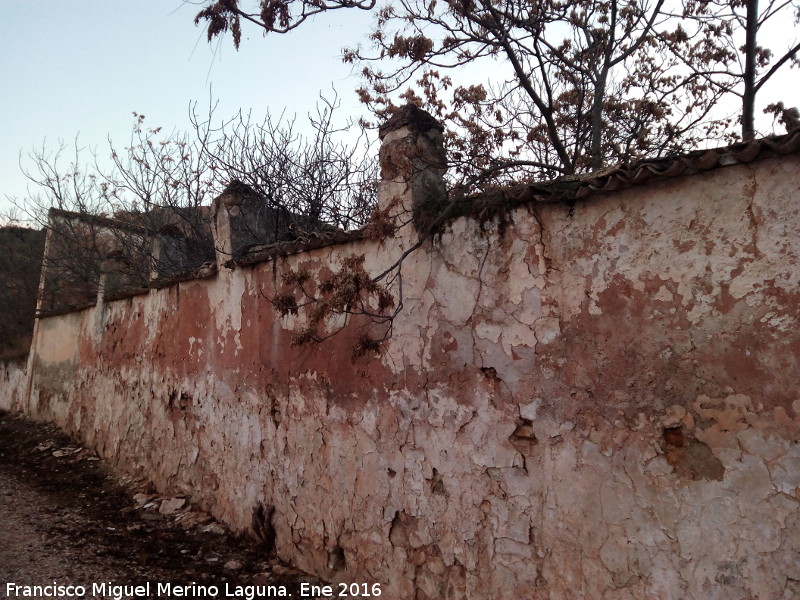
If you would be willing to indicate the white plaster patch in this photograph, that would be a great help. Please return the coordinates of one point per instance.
(58, 339)
(455, 294)
(779, 322)
(517, 334)
(547, 329)
(786, 473)
(225, 298)
(488, 331)
(663, 294)
(519, 276)
(531, 410)
(527, 316)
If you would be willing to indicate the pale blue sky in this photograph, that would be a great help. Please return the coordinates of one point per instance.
(83, 66)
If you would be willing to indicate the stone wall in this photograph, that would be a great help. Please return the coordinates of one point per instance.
(12, 385)
(595, 399)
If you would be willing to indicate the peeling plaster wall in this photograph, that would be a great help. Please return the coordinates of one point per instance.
(12, 385)
(599, 401)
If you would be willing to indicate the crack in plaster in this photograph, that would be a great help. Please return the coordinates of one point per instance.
(753, 222)
(541, 247)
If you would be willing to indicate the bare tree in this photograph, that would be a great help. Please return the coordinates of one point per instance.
(739, 52)
(165, 182)
(103, 220)
(148, 212)
(60, 193)
(579, 84)
(303, 182)
(21, 250)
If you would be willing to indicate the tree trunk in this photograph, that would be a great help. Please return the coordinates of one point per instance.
(749, 96)
(596, 149)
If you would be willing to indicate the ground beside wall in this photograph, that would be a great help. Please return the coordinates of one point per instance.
(597, 400)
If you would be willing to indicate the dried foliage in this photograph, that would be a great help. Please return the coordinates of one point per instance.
(221, 17)
(577, 85)
(542, 89)
(551, 89)
(365, 345)
(329, 304)
(285, 304)
(280, 16)
(380, 225)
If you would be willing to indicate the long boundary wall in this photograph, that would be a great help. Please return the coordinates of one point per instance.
(595, 399)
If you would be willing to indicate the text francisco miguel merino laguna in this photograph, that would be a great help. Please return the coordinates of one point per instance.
(147, 590)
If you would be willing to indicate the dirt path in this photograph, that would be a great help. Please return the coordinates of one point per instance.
(64, 518)
(36, 545)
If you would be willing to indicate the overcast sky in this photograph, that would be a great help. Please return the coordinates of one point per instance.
(81, 67)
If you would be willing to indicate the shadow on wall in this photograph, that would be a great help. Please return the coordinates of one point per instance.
(21, 251)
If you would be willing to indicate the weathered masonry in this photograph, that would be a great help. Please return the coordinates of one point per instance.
(592, 389)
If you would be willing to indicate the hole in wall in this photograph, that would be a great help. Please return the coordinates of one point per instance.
(690, 458)
(437, 485)
(490, 373)
(394, 529)
(524, 431)
(673, 437)
(336, 559)
(262, 528)
(179, 401)
(276, 416)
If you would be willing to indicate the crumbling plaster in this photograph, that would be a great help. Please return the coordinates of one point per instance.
(594, 401)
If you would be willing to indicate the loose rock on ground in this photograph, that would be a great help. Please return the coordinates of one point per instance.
(67, 518)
